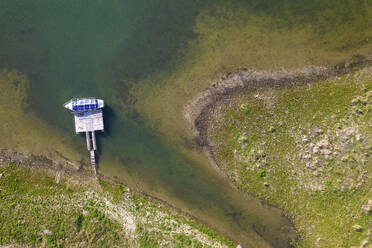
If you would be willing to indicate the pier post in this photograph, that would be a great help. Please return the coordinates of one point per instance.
(88, 141)
(94, 141)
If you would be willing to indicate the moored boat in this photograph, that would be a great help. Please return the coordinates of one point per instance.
(84, 104)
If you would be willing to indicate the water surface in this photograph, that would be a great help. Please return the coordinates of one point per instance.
(96, 48)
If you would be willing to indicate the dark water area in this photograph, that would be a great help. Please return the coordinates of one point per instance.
(99, 48)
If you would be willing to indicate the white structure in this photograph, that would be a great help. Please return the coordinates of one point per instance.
(88, 118)
(89, 121)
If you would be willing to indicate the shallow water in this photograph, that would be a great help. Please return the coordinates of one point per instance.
(76, 48)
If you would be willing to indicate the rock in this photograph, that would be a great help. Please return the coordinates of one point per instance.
(326, 152)
(243, 106)
(314, 131)
(355, 101)
(243, 139)
(364, 244)
(305, 139)
(323, 144)
(369, 95)
(318, 240)
(261, 153)
(58, 177)
(316, 162)
(364, 100)
(357, 228)
(349, 131)
(357, 110)
(306, 157)
(328, 157)
(367, 208)
(345, 158)
(316, 150)
(310, 166)
(316, 173)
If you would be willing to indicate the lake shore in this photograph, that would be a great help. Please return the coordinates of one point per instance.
(136, 219)
(207, 105)
(196, 109)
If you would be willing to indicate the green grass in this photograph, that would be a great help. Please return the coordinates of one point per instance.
(31, 202)
(80, 212)
(323, 197)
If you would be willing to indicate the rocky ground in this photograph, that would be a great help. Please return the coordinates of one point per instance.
(305, 148)
(45, 207)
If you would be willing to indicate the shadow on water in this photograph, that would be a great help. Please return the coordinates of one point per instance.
(109, 117)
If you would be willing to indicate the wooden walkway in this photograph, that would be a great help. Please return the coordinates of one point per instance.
(93, 161)
(91, 149)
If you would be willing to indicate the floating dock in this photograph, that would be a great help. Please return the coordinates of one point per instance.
(88, 117)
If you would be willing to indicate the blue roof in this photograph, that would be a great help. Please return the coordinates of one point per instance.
(89, 104)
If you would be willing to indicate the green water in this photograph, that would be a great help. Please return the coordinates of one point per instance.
(103, 48)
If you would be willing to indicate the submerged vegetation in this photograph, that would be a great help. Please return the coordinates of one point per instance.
(22, 131)
(306, 149)
(45, 208)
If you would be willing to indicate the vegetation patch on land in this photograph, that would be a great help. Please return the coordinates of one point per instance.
(47, 208)
(305, 148)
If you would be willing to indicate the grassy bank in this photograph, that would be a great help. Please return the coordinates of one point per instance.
(306, 149)
(44, 208)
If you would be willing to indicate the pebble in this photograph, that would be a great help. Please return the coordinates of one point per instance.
(367, 208)
(355, 101)
(305, 139)
(357, 228)
(316, 149)
(243, 139)
(318, 240)
(358, 137)
(316, 174)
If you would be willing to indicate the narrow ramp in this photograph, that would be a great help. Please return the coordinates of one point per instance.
(93, 161)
